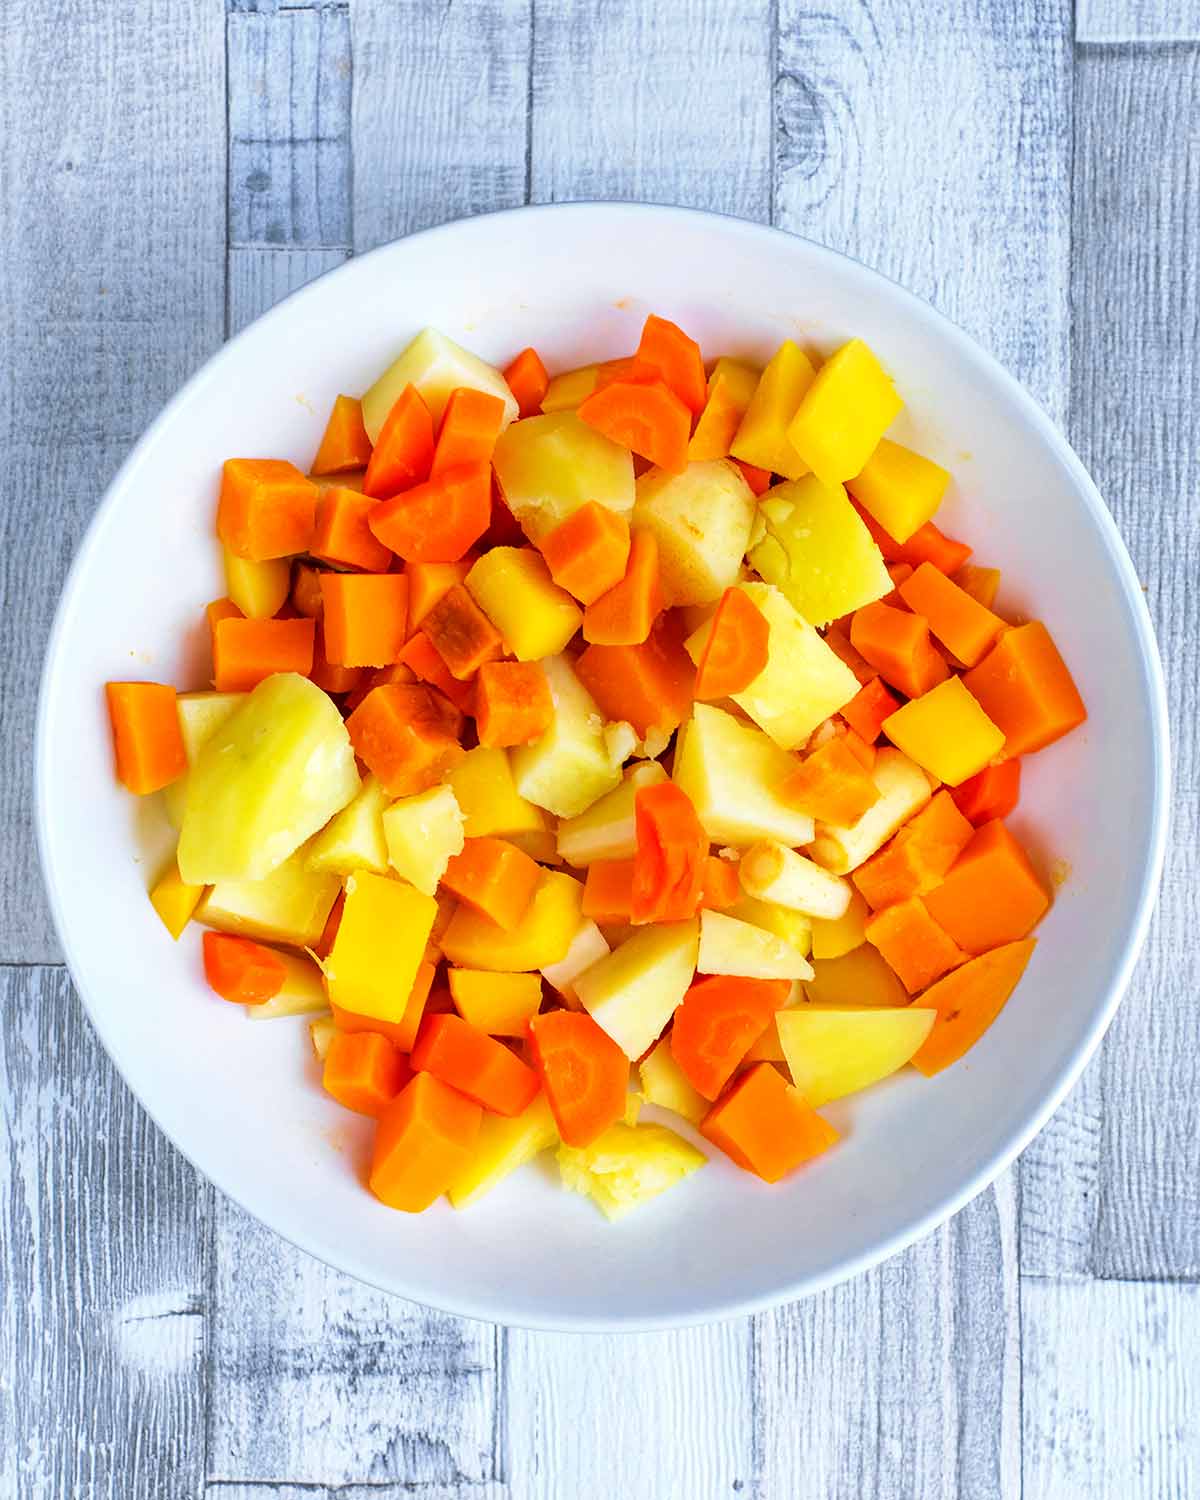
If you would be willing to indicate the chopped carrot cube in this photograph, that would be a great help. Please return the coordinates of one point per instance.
(993, 793)
(365, 617)
(345, 444)
(408, 735)
(588, 553)
(608, 890)
(991, 895)
(495, 878)
(267, 508)
(462, 634)
(513, 705)
(364, 1071)
(650, 685)
(918, 856)
(475, 1064)
(960, 622)
(765, 1126)
(527, 379)
(424, 1138)
(247, 651)
(831, 784)
(1026, 690)
(915, 946)
(342, 535)
(147, 740)
(427, 663)
(897, 645)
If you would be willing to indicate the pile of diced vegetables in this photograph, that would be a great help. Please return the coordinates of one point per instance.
(639, 717)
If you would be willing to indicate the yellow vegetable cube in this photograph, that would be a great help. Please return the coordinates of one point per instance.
(422, 832)
(302, 992)
(831, 938)
(549, 466)
(792, 926)
(173, 900)
(379, 945)
(946, 731)
(845, 411)
(606, 830)
(633, 992)
(513, 587)
(588, 946)
(257, 588)
(290, 905)
(200, 715)
(701, 520)
(763, 439)
(570, 389)
(903, 790)
(569, 767)
(542, 936)
(731, 388)
(502, 1146)
(627, 1166)
(859, 978)
(729, 945)
(818, 551)
(436, 365)
(484, 789)
(730, 771)
(500, 1004)
(353, 840)
(900, 488)
(832, 1053)
(666, 1084)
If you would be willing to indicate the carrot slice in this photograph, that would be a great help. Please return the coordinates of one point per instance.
(765, 1126)
(675, 359)
(736, 649)
(461, 633)
(240, 970)
(427, 663)
(345, 444)
(364, 1071)
(647, 418)
(583, 1071)
(897, 645)
(624, 615)
(246, 651)
(869, 707)
(918, 949)
(968, 1001)
(513, 705)
(672, 846)
(992, 894)
(343, 536)
(649, 685)
(721, 887)
(608, 890)
(716, 1024)
(588, 553)
(471, 423)
(404, 452)
(437, 521)
(527, 379)
(364, 618)
(495, 878)
(993, 793)
(147, 741)
(408, 735)
(960, 622)
(267, 508)
(758, 479)
(424, 1138)
(831, 784)
(475, 1064)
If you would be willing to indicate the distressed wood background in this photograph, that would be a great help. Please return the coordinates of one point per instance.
(168, 169)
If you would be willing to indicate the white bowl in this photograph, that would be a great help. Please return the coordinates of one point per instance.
(242, 1099)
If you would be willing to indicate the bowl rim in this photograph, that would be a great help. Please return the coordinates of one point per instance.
(910, 1231)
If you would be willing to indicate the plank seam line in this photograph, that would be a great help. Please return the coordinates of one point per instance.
(278, 248)
(773, 64)
(377, 1487)
(1129, 47)
(529, 105)
(1149, 1278)
(31, 963)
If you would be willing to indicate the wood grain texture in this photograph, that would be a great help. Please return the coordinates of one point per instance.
(111, 162)
(1061, 1184)
(662, 103)
(1111, 1396)
(439, 112)
(1136, 294)
(289, 127)
(102, 1228)
(260, 277)
(1137, 20)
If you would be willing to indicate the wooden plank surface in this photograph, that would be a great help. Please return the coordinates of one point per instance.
(112, 160)
(1137, 20)
(102, 1265)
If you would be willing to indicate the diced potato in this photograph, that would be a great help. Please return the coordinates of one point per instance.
(946, 732)
(483, 786)
(633, 992)
(771, 872)
(542, 936)
(621, 741)
(499, 1004)
(422, 832)
(838, 935)
(903, 790)
(859, 978)
(513, 587)
(587, 947)
(549, 466)
(267, 779)
(665, 1084)
(379, 946)
(570, 389)
(302, 994)
(804, 680)
(731, 771)
(322, 1031)
(173, 900)
(762, 439)
(606, 830)
(701, 520)
(831, 1053)
(731, 388)
(436, 365)
(200, 715)
(257, 588)
(627, 1166)
(353, 840)
(818, 551)
(502, 1145)
(569, 767)
(290, 905)
(900, 488)
(792, 926)
(845, 411)
(731, 946)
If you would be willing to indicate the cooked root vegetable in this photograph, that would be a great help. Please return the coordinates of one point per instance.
(861, 977)
(991, 794)
(668, 863)
(627, 1166)
(701, 520)
(497, 1004)
(666, 1084)
(404, 1031)
(731, 772)
(897, 645)
(832, 1053)
(841, 935)
(569, 767)
(588, 946)
(364, 617)
(428, 581)
(290, 905)
(729, 945)
(174, 900)
(353, 839)
(494, 878)
(732, 649)
(423, 1141)
(625, 614)
(762, 438)
(483, 785)
(914, 945)
(900, 488)
(345, 444)
(771, 872)
(983, 584)
(549, 466)
(364, 1072)
(426, 664)
(461, 633)
(927, 544)
(869, 708)
(648, 685)
(831, 784)
(903, 789)
(321, 1032)
(608, 830)
(407, 734)
(513, 588)
(240, 970)
(992, 894)
(501, 1147)
(267, 508)
(721, 887)
(588, 552)
(439, 520)
(471, 423)
(633, 992)
(608, 891)
(730, 389)
(960, 622)
(343, 534)
(918, 856)
(792, 926)
(1025, 689)
(423, 833)
(643, 415)
(380, 945)
(436, 366)
(302, 992)
(259, 589)
(513, 705)
(475, 1064)
(946, 732)
(247, 652)
(147, 741)
(526, 378)
(675, 359)
(845, 411)
(542, 936)
(765, 1126)
(968, 1001)
(583, 1071)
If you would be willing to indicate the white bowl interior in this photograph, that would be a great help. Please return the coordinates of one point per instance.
(242, 1100)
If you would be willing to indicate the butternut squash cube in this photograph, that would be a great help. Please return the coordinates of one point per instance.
(946, 731)
(762, 439)
(845, 411)
(513, 587)
(901, 489)
(542, 937)
(379, 946)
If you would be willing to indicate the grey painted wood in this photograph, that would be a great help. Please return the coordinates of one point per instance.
(1136, 394)
(111, 292)
(1060, 1176)
(1137, 20)
(102, 1266)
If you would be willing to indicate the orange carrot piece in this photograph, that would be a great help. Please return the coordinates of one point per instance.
(736, 649)
(147, 741)
(914, 946)
(650, 685)
(668, 866)
(716, 1024)
(461, 633)
(471, 423)
(839, 643)
(426, 663)
(437, 521)
(860, 749)
(364, 1071)
(583, 1071)
(968, 1001)
(983, 584)
(345, 444)
(379, 677)
(869, 707)
(992, 895)
(917, 857)
(428, 581)
(675, 359)
(927, 544)
(240, 970)
(214, 613)
(332, 677)
(897, 645)
(721, 887)
(959, 622)
(407, 734)
(608, 890)
(588, 553)
(365, 616)
(830, 784)
(493, 877)
(625, 614)
(305, 596)
(404, 451)
(717, 425)
(993, 793)
(647, 418)
(513, 705)
(267, 508)
(342, 535)
(475, 1064)
(1025, 688)
(246, 651)
(765, 1126)
(758, 479)
(899, 573)
(527, 379)
(424, 1138)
